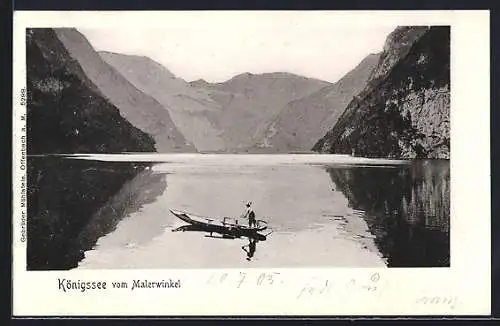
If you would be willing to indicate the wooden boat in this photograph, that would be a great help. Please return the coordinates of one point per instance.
(226, 226)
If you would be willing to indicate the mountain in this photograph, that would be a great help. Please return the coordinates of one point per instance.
(249, 102)
(302, 122)
(66, 111)
(396, 46)
(141, 110)
(215, 117)
(189, 107)
(404, 111)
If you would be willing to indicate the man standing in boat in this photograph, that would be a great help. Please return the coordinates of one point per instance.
(250, 215)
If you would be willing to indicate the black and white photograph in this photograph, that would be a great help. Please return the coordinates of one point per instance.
(238, 147)
(318, 163)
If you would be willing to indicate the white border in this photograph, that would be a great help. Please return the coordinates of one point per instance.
(464, 288)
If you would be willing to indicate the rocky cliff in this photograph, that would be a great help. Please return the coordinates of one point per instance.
(140, 109)
(404, 111)
(300, 124)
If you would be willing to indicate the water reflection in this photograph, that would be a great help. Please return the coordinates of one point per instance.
(249, 249)
(72, 203)
(143, 189)
(252, 247)
(116, 214)
(407, 209)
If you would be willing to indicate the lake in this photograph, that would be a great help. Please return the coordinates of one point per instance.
(112, 211)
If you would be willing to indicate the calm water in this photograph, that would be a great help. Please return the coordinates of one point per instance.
(331, 211)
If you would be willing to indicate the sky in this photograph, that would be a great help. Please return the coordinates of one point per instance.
(218, 49)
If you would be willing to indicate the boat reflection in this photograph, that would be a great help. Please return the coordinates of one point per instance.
(249, 249)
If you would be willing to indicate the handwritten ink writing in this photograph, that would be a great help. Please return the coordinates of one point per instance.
(266, 278)
(241, 279)
(311, 290)
(312, 286)
(353, 285)
(438, 300)
(263, 279)
(375, 277)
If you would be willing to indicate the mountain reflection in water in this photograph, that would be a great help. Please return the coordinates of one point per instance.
(72, 203)
(91, 214)
(407, 208)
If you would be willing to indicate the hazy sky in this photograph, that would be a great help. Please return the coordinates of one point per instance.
(219, 50)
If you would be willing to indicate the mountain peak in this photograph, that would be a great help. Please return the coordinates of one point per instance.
(132, 60)
(275, 74)
(199, 83)
(140, 109)
(396, 47)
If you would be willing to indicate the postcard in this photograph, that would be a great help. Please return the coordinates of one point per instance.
(209, 163)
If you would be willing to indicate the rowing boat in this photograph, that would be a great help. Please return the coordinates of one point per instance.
(226, 225)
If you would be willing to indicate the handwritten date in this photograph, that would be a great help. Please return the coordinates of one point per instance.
(262, 279)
